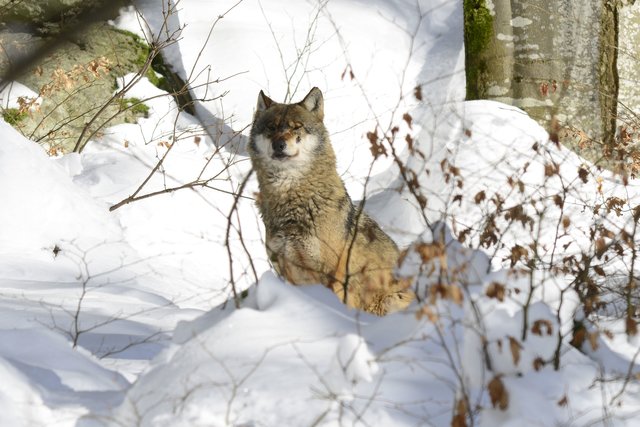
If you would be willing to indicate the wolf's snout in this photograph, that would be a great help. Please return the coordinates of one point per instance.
(279, 146)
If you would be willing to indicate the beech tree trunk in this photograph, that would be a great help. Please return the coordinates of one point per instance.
(555, 59)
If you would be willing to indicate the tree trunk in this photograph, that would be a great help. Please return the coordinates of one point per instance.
(629, 66)
(555, 59)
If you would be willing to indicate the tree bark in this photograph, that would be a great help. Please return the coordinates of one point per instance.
(555, 59)
(608, 72)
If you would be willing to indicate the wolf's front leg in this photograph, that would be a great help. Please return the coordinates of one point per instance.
(294, 260)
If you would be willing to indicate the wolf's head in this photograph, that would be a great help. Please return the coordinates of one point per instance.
(285, 136)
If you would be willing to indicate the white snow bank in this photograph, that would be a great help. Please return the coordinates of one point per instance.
(46, 382)
(20, 400)
(259, 365)
(42, 206)
(74, 369)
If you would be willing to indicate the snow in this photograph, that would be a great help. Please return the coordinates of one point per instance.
(127, 317)
(56, 194)
(10, 95)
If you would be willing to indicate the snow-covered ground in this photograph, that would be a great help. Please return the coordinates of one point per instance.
(127, 317)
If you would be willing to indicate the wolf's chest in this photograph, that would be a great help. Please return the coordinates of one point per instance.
(293, 213)
(296, 224)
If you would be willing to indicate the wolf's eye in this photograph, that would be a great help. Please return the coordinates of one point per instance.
(271, 127)
(298, 139)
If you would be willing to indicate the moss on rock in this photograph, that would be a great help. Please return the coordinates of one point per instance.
(14, 116)
(133, 105)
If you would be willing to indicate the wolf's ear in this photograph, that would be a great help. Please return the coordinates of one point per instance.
(264, 102)
(314, 102)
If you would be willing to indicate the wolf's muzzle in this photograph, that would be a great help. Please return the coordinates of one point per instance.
(279, 146)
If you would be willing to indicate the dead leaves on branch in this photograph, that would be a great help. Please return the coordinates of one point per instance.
(433, 257)
(450, 292)
(376, 146)
(518, 213)
(70, 79)
(615, 204)
(518, 253)
(581, 336)
(551, 169)
(377, 141)
(451, 172)
(502, 212)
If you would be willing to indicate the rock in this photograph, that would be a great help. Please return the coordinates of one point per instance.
(75, 82)
(42, 14)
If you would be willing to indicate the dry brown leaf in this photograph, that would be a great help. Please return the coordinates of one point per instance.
(557, 199)
(407, 118)
(515, 348)
(431, 251)
(427, 311)
(551, 169)
(593, 340)
(564, 401)
(462, 236)
(583, 174)
(579, 336)
(538, 363)
(517, 253)
(417, 92)
(455, 294)
(460, 415)
(601, 247)
(377, 148)
(536, 329)
(495, 290)
(498, 393)
(409, 141)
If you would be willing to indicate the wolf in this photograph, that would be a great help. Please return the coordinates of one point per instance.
(314, 232)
